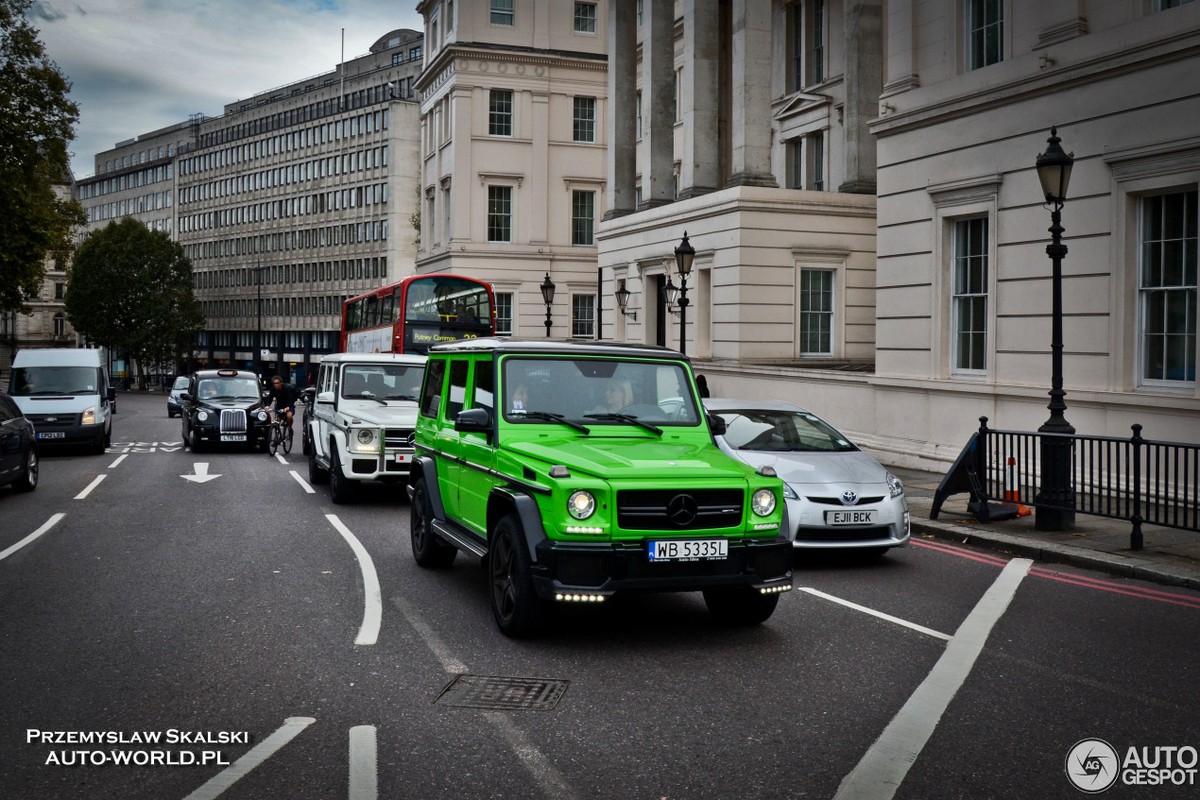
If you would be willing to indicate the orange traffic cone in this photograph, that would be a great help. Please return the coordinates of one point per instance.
(1011, 494)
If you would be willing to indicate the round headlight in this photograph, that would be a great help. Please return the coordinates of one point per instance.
(262, 415)
(202, 415)
(763, 502)
(581, 504)
(366, 436)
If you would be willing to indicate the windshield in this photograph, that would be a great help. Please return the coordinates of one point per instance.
(180, 383)
(382, 381)
(50, 381)
(781, 430)
(598, 391)
(228, 389)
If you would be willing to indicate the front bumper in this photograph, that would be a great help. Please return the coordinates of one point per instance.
(892, 527)
(608, 568)
(389, 465)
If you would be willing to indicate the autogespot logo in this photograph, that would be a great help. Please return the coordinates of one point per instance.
(1092, 765)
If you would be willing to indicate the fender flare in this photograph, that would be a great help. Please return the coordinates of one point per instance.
(529, 514)
(428, 470)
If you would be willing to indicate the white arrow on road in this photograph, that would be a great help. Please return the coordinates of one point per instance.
(201, 475)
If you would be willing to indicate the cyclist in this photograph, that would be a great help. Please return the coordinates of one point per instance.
(283, 397)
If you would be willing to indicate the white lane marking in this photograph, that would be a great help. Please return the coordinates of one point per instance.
(118, 461)
(364, 776)
(292, 726)
(279, 457)
(90, 486)
(883, 768)
(303, 483)
(201, 475)
(874, 613)
(372, 598)
(551, 780)
(47, 525)
(432, 640)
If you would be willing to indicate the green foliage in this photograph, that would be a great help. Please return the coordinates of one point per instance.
(130, 289)
(36, 122)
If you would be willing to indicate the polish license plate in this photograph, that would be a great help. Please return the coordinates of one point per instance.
(233, 437)
(51, 435)
(689, 550)
(849, 517)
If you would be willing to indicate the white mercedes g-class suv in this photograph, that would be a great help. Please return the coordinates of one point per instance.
(359, 426)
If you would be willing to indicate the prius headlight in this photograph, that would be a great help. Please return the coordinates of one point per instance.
(895, 487)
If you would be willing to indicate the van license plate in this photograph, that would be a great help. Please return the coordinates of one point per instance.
(51, 435)
(689, 550)
(233, 437)
(849, 517)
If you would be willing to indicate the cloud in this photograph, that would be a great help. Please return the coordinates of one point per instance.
(140, 65)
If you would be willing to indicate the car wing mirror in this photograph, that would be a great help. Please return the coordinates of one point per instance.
(325, 397)
(473, 420)
(185, 397)
(717, 424)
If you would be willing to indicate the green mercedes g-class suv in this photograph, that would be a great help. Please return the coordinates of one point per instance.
(577, 470)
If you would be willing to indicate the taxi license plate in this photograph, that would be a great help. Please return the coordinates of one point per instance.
(233, 437)
(849, 517)
(689, 550)
(51, 435)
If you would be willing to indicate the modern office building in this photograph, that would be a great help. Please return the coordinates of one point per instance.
(513, 147)
(288, 203)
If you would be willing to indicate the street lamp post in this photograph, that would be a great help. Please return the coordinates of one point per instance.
(1056, 498)
(547, 288)
(684, 255)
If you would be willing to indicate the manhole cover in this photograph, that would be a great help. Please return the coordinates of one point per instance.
(512, 694)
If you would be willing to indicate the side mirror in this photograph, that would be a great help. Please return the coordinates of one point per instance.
(185, 397)
(309, 393)
(717, 424)
(325, 397)
(473, 420)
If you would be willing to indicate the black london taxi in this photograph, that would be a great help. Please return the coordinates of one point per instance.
(224, 406)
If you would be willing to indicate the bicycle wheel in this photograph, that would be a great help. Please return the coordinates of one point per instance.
(274, 439)
(287, 439)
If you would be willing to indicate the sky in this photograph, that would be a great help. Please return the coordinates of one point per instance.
(139, 65)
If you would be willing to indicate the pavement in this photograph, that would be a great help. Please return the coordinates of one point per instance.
(1168, 556)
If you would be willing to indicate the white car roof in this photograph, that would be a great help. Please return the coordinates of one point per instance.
(731, 403)
(374, 358)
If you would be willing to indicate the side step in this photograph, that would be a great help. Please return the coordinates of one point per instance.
(460, 539)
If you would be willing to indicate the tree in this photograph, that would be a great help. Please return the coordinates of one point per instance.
(36, 122)
(130, 289)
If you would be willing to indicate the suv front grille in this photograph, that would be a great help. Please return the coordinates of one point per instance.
(233, 420)
(401, 438)
(679, 509)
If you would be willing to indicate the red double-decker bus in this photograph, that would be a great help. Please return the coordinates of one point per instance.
(417, 313)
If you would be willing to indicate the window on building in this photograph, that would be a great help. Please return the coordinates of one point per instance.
(59, 291)
(585, 119)
(583, 215)
(1163, 5)
(500, 112)
(815, 166)
(414, 53)
(583, 316)
(816, 312)
(1167, 286)
(985, 32)
(969, 294)
(795, 163)
(806, 28)
(585, 17)
(504, 313)
(60, 326)
(499, 219)
(502, 12)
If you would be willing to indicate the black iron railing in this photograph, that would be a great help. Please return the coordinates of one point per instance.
(1140, 480)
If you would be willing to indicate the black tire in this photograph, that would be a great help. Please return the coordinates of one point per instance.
(429, 549)
(29, 475)
(740, 606)
(515, 604)
(316, 475)
(273, 444)
(287, 440)
(341, 490)
(305, 441)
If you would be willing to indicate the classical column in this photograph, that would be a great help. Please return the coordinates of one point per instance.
(863, 37)
(621, 119)
(658, 99)
(700, 165)
(751, 78)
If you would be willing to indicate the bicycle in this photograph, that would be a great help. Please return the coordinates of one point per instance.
(281, 433)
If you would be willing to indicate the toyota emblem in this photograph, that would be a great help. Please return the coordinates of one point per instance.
(849, 497)
(681, 510)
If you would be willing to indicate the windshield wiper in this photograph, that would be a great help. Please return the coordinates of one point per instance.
(627, 418)
(408, 397)
(546, 415)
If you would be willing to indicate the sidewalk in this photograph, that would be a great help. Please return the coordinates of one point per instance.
(1169, 556)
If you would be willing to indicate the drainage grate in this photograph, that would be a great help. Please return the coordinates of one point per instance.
(509, 694)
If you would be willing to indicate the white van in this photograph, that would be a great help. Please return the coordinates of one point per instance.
(65, 394)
